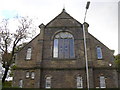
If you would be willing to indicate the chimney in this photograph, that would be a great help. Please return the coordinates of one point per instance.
(42, 27)
(86, 25)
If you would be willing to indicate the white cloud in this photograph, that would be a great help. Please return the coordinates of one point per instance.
(102, 14)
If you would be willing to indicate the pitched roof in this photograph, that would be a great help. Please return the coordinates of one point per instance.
(63, 20)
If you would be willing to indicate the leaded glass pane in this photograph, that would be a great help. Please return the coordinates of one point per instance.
(69, 36)
(57, 36)
(61, 48)
(66, 48)
(71, 48)
(56, 48)
(64, 35)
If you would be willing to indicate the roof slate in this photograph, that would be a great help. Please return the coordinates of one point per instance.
(63, 20)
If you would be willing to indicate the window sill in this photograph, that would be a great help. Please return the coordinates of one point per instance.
(27, 59)
(32, 78)
(27, 77)
(100, 59)
(63, 59)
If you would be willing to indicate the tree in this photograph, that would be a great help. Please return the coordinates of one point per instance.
(117, 61)
(9, 41)
(20, 46)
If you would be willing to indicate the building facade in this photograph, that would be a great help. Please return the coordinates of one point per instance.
(55, 58)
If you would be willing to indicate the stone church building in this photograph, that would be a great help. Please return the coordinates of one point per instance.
(55, 58)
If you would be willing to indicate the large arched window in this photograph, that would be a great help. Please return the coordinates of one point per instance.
(63, 45)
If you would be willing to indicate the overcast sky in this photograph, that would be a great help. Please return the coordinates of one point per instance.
(102, 15)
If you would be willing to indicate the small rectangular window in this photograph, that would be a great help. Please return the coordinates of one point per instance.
(33, 75)
(27, 74)
(48, 82)
(102, 82)
(79, 82)
(21, 83)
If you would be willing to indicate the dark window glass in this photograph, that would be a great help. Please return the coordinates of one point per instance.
(61, 48)
(72, 48)
(66, 48)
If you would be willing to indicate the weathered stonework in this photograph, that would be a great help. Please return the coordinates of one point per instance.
(64, 71)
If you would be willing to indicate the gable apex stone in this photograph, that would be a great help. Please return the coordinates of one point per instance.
(41, 26)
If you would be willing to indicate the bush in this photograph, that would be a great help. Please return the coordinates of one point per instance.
(7, 84)
(59, 89)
